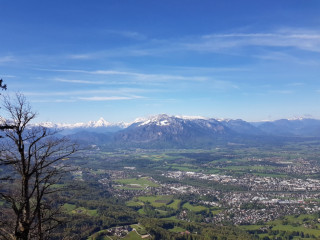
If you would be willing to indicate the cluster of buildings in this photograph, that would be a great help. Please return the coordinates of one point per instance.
(264, 198)
(253, 182)
(254, 207)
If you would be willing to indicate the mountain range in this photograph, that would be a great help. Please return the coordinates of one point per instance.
(180, 131)
(99, 126)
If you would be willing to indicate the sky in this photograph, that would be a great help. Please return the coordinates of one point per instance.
(77, 61)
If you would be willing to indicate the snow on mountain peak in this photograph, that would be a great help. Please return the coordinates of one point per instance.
(296, 118)
(191, 117)
(160, 120)
(95, 124)
(101, 123)
(165, 120)
(91, 124)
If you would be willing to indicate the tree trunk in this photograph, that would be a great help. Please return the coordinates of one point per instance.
(22, 232)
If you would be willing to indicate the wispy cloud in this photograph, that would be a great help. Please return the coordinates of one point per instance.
(52, 100)
(282, 91)
(136, 75)
(222, 85)
(84, 56)
(295, 38)
(127, 34)
(126, 51)
(88, 95)
(8, 76)
(273, 45)
(210, 69)
(77, 81)
(121, 91)
(7, 59)
(112, 98)
(296, 84)
(163, 82)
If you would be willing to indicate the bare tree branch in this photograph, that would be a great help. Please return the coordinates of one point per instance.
(31, 156)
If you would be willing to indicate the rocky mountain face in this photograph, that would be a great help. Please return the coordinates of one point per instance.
(163, 129)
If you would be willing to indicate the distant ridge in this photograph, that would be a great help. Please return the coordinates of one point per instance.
(184, 131)
(101, 125)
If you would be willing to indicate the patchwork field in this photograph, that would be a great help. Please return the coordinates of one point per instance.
(194, 208)
(156, 201)
(136, 183)
(302, 227)
(73, 209)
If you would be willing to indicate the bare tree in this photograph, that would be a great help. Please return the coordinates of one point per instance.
(32, 158)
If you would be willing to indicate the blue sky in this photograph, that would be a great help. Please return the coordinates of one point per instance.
(80, 60)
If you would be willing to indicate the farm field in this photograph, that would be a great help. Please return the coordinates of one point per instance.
(73, 209)
(194, 208)
(156, 201)
(136, 183)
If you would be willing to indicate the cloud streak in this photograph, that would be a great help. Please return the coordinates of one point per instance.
(86, 92)
(136, 75)
(264, 45)
(294, 38)
(282, 91)
(7, 59)
(77, 81)
(112, 98)
(127, 34)
(167, 82)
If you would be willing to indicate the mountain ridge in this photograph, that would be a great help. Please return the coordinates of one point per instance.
(184, 131)
(101, 122)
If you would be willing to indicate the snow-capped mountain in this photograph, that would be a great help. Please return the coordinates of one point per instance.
(172, 130)
(167, 131)
(94, 126)
(164, 119)
(100, 123)
(237, 125)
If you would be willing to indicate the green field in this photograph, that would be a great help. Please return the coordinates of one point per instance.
(59, 186)
(306, 224)
(69, 207)
(184, 167)
(134, 204)
(136, 183)
(82, 210)
(72, 209)
(139, 228)
(141, 211)
(215, 212)
(156, 201)
(290, 228)
(194, 208)
(99, 236)
(133, 236)
(175, 204)
(251, 227)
